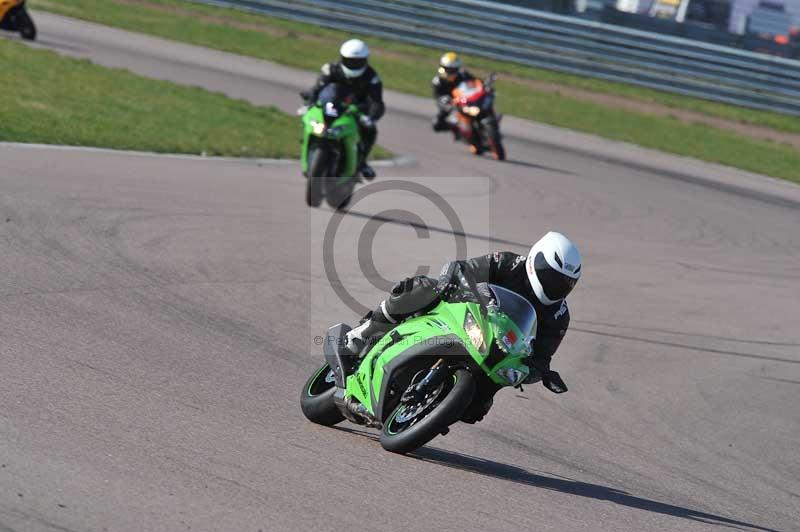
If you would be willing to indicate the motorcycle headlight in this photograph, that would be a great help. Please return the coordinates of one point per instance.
(474, 332)
(513, 376)
(472, 110)
(318, 128)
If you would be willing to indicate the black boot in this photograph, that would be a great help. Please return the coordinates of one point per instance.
(477, 411)
(439, 124)
(367, 171)
(371, 330)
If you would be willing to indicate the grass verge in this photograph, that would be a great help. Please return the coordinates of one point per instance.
(409, 68)
(110, 108)
(96, 106)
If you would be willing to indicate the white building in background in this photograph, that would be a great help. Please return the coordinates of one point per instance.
(739, 10)
(628, 6)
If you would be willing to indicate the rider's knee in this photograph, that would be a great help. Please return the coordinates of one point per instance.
(411, 295)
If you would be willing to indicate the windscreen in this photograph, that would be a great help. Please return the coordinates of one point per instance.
(517, 308)
(469, 89)
(333, 98)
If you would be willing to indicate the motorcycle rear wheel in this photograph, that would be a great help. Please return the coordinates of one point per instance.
(316, 398)
(405, 435)
(27, 29)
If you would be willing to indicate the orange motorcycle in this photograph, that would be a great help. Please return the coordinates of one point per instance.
(14, 17)
(475, 119)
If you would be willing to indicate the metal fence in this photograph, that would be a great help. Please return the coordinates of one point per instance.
(561, 43)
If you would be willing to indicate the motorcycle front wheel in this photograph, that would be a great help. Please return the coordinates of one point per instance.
(317, 170)
(495, 142)
(411, 426)
(338, 196)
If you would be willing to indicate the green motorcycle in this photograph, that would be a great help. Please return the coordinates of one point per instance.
(329, 155)
(427, 373)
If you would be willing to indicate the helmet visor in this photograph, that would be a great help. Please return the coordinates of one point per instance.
(556, 285)
(354, 63)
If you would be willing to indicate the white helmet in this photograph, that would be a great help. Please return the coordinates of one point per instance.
(354, 58)
(554, 267)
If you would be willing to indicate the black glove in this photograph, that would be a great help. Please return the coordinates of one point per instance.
(366, 121)
(446, 289)
(553, 382)
(447, 283)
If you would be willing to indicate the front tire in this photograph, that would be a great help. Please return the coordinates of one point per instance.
(316, 398)
(317, 170)
(338, 196)
(496, 142)
(403, 436)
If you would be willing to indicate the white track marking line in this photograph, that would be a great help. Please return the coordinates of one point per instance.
(402, 160)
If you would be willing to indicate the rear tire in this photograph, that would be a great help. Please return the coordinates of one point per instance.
(316, 398)
(27, 29)
(402, 438)
(317, 169)
(28, 33)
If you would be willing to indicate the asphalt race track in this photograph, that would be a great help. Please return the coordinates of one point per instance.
(158, 314)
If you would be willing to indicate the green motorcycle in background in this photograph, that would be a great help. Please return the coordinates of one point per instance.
(329, 155)
(428, 372)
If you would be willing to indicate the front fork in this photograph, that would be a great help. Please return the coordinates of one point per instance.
(431, 381)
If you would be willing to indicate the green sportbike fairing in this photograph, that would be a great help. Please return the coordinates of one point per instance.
(329, 155)
(427, 372)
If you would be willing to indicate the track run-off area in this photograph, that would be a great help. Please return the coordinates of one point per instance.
(158, 318)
